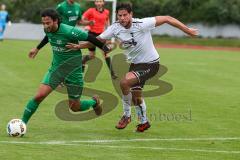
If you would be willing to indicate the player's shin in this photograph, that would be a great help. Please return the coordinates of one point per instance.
(141, 111)
(84, 60)
(126, 100)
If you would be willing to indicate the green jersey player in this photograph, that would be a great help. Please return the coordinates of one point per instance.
(70, 12)
(66, 65)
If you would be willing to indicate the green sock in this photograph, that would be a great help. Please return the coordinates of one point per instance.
(29, 110)
(86, 104)
(108, 62)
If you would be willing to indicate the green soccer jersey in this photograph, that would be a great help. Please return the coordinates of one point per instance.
(60, 38)
(70, 13)
(66, 64)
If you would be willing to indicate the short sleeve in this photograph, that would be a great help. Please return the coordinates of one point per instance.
(80, 13)
(148, 23)
(107, 13)
(108, 33)
(78, 34)
(87, 14)
(58, 8)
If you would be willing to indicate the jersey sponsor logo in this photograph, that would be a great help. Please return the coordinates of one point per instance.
(59, 41)
(59, 49)
(73, 18)
(129, 43)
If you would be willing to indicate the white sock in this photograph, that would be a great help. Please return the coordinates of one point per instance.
(126, 100)
(141, 111)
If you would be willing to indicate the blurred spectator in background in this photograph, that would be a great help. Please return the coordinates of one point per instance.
(4, 18)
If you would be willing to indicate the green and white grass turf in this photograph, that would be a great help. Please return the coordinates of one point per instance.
(205, 82)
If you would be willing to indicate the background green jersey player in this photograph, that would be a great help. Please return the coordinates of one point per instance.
(70, 12)
(66, 65)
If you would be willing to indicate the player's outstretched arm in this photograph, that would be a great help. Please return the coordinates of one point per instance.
(42, 43)
(176, 23)
(80, 45)
(85, 22)
(92, 40)
(34, 51)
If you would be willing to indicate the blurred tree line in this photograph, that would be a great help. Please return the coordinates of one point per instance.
(205, 11)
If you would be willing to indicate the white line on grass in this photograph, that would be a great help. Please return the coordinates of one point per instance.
(127, 140)
(157, 139)
(93, 143)
(166, 149)
(70, 143)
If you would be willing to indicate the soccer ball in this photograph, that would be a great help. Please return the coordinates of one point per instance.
(16, 128)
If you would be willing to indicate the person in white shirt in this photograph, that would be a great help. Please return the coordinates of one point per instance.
(135, 37)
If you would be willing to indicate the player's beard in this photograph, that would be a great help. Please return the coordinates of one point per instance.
(126, 24)
(51, 29)
(48, 29)
(71, 1)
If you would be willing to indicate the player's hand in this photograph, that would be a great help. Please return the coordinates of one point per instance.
(193, 32)
(107, 48)
(111, 46)
(91, 23)
(33, 52)
(73, 46)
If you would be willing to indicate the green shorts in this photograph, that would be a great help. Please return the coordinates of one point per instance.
(69, 74)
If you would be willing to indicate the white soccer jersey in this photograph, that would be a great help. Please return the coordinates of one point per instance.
(136, 41)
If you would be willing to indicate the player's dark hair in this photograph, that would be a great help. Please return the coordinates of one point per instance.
(52, 13)
(124, 6)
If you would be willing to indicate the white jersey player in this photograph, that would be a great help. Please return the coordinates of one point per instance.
(136, 40)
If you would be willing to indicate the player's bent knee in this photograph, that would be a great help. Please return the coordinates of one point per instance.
(106, 56)
(40, 97)
(92, 56)
(74, 106)
(137, 96)
(137, 101)
(124, 83)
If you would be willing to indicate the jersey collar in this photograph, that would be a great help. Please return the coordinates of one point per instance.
(100, 11)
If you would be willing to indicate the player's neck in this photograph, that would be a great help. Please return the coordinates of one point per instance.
(128, 25)
(55, 28)
(70, 2)
(100, 9)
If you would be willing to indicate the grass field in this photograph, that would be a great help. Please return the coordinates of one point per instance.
(202, 111)
(198, 41)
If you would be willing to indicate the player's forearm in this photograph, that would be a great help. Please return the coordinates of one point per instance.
(84, 45)
(107, 24)
(176, 23)
(98, 43)
(42, 43)
(85, 22)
